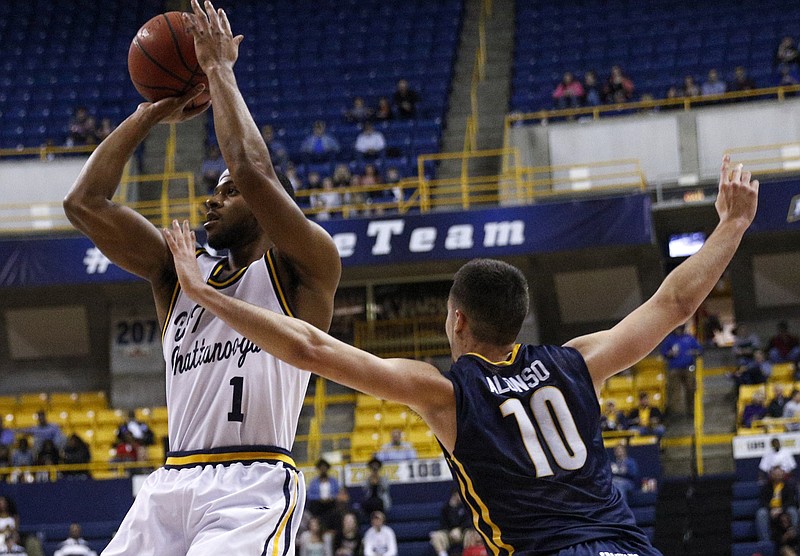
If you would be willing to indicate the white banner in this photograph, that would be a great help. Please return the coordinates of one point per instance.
(755, 446)
(135, 342)
(412, 471)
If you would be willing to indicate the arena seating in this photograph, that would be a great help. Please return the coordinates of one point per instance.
(743, 528)
(656, 43)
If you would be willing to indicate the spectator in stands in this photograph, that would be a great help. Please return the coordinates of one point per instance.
(612, 419)
(75, 452)
(44, 431)
(592, 95)
(405, 100)
(328, 201)
(792, 411)
(371, 176)
(341, 507)
(376, 494)
(755, 410)
(453, 520)
(778, 402)
(384, 111)
(713, 85)
(379, 540)
(625, 471)
(396, 449)
(619, 88)
(681, 349)
(778, 495)
(277, 150)
(341, 176)
(47, 455)
(7, 436)
(690, 88)
(321, 494)
(754, 371)
(359, 113)
(744, 344)
(5, 459)
(646, 418)
(23, 455)
(741, 81)
(9, 518)
(783, 346)
(105, 129)
(786, 536)
(10, 544)
(788, 76)
(778, 456)
(127, 449)
(74, 545)
(473, 544)
(319, 145)
(347, 539)
(139, 430)
(212, 167)
(568, 93)
(392, 179)
(313, 181)
(311, 542)
(81, 128)
(294, 179)
(787, 54)
(370, 143)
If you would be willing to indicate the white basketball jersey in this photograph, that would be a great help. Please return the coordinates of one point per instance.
(222, 389)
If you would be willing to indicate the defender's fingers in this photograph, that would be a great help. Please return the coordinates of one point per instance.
(736, 176)
(723, 171)
(226, 25)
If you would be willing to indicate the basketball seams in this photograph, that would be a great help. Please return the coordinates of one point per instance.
(177, 45)
(160, 66)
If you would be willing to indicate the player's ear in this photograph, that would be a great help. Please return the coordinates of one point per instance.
(461, 321)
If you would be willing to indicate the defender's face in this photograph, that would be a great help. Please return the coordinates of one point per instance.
(229, 221)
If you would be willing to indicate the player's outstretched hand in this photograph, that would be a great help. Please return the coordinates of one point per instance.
(737, 199)
(174, 109)
(214, 42)
(181, 242)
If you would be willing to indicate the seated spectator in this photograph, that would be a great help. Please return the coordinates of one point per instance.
(379, 540)
(778, 456)
(74, 545)
(44, 431)
(5, 459)
(744, 344)
(646, 419)
(396, 449)
(568, 93)
(612, 419)
(75, 452)
(713, 85)
(786, 536)
(591, 89)
(778, 402)
(359, 113)
(453, 520)
(755, 371)
(787, 54)
(405, 100)
(278, 152)
(376, 494)
(9, 518)
(370, 143)
(392, 179)
(473, 544)
(47, 455)
(139, 430)
(319, 145)
(741, 81)
(105, 129)
(384, 111)
(792, 411)
(311, 542)
(294, 179)
(778, 495)
(7, 436)
(341, 507)
(783, 346)
(328, 201)
(619, 88)
(690, 88)
(755, 410)
(341, 176)
(10, 544)
(313, 181)
(127, 449)
(347, 539)
(23, 455)
(321, 494)
(81, 128)
(624, 471)
(212, 167)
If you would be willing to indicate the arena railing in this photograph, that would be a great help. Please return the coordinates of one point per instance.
(777, 158)
(413, 338)
(478, 75)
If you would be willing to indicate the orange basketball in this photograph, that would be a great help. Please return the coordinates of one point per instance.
(162, 61)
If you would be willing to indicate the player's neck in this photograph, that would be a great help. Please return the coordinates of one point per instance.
(241, 256)
(491, 352)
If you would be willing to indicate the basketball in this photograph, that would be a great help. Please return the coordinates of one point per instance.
(162, 61)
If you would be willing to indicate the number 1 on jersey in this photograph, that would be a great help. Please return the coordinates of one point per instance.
(235, 413)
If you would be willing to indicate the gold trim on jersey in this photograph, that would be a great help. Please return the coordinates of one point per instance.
(285, 519)
(273, 273)
(511, 357)
(227, 281)
(223, 457)
(481, 513)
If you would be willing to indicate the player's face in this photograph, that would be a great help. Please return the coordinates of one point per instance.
(229, 221)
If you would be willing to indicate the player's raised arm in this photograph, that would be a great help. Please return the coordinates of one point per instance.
(305, 246)
(682, 292)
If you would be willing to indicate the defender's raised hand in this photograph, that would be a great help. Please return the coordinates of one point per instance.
(214, 42)
(181, 242)
(737, 199)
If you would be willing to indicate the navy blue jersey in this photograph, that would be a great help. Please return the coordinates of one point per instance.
(529, 457)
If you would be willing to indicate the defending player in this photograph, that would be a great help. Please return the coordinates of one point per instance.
(519, 424)
(229, 485)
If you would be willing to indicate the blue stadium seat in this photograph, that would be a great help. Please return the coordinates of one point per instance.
(744, 509)
(746, 490)
(750, 548)
(743, 530)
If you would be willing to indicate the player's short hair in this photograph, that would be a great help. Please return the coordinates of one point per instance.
(283, 178)
(494, 297)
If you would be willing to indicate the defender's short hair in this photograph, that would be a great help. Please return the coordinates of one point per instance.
(494, 297)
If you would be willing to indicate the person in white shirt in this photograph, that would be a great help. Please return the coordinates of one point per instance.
(74, 545)
(370, 143)
(791, 410)
(379, 540)
(777, 457)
